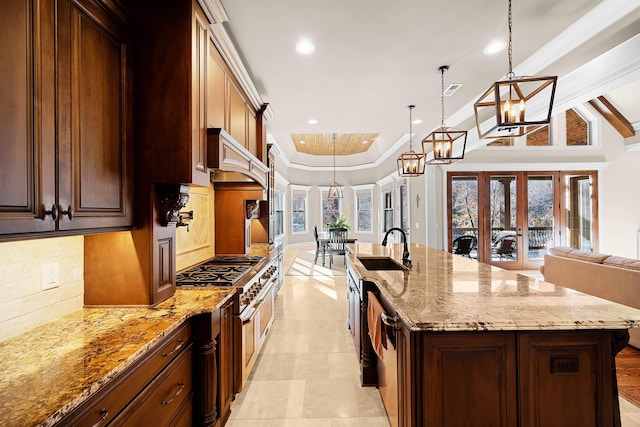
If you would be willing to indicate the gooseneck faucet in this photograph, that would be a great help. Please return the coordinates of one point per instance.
(405, 255)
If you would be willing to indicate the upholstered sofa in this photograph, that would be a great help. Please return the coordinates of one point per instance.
(610, 277)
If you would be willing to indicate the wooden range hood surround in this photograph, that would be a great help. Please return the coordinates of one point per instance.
(227, 158)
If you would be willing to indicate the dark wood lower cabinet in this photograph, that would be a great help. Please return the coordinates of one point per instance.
(185, 380)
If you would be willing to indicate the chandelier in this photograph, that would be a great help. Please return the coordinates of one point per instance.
(516, 106)
(410, 163)
(441, 140)
(335, 191)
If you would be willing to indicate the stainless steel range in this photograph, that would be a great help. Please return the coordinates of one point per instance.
(256, 281)
(218, 271)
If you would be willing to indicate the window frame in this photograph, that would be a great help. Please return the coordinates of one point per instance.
(296, 192)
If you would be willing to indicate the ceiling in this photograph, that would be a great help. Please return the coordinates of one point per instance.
(373, 58)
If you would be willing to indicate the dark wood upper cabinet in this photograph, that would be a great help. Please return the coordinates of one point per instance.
(65, 122)
(172, 61)
(27, 116)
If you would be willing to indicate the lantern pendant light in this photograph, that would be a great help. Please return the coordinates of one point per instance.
(410, 163)
(441, 140)
(335, 191)
(517, 105)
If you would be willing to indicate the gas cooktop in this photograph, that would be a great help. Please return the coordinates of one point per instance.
(218, 271)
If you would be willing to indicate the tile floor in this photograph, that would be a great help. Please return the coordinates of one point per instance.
(307, 374)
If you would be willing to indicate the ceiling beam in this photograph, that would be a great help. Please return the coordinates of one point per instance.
(613, 116)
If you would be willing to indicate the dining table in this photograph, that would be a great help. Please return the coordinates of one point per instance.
(324, 240)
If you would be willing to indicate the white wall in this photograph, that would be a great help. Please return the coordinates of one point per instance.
(619, 197)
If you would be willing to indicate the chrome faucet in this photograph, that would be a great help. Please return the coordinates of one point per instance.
(405, 255)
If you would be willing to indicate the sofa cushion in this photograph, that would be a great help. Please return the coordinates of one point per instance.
(567, 252)
(616, 261)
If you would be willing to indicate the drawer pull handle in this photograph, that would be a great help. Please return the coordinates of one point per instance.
(104, 412)
(178, 347)
(180, 388)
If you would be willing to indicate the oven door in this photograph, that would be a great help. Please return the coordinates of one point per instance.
(256, 320)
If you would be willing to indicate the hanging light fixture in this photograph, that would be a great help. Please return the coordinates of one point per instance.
(516, 106)
(410, 163)
(441, 140)
(335, 191)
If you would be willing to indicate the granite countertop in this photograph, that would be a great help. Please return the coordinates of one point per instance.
(50, 370)
(445, 292)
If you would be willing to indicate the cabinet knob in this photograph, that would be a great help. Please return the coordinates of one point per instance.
(53, 212)
(68, 212)
(104, 412)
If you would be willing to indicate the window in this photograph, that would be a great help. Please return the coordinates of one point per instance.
(363, 208)
(404, 209)
(388, 210)
(279, 211)
(577, 128)
(331, 209)
(299, 209)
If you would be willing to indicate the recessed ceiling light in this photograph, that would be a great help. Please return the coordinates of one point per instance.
(305, 47)
(312, 121)
(494, 47)
(417, 121)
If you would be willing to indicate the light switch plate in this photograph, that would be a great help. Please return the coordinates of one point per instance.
(50, 276)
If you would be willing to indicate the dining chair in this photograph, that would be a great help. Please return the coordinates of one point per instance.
(337, 243)
(318, 249)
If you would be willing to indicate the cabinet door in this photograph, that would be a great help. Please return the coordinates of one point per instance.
(565, 379)
(237, 113)
(252, 134)
(27, 116)
(94, 118)
(200, 59)
(215, 89)
(469, 377)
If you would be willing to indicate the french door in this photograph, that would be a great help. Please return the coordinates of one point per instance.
(517, 216)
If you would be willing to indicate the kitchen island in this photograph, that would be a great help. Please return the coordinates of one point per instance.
(467, 343)
(51, 371)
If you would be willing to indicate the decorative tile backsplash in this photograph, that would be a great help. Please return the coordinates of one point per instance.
(26, 268)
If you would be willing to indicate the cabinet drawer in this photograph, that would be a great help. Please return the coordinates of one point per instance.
(162, 401)
(108, 402)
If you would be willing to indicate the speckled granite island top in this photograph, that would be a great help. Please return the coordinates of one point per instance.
(445, 292)
(47, 372)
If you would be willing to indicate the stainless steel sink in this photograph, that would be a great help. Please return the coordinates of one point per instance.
(381, 263)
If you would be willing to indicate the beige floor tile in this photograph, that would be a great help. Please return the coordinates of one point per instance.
(269, 400)
(360, 422)
(303, 422)
(291, 366)
(249, 423)
(343, 365)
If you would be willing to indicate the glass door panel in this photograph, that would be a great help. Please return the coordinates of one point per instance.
(504, 239)
(579, 212)
(540, 231)
(463, 211)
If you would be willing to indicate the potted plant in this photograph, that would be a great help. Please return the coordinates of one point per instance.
(339, 223)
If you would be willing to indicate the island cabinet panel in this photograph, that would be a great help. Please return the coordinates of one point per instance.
(66, 117)
(565, 370)
(476, 372)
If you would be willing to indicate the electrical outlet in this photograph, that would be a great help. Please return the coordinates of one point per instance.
(50, 276)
